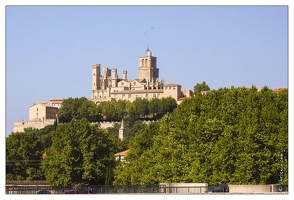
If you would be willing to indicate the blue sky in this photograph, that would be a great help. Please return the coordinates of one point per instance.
(49, 50)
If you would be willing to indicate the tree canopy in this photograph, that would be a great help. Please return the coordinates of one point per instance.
(80, 154)
(140, 109)
(78, 108)
(232, 136)
(23, 156)
(199, 87)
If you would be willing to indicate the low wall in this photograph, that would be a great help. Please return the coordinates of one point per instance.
(183, 188)
(21, 125)
(254, 188)
(105, 124)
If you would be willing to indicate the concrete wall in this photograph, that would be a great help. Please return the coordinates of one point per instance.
(253, 188)
(184, 188)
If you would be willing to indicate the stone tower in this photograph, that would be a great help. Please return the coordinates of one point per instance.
(125, 75)
(96, 77)
(147, 68)
(122, 131)
(114, 77)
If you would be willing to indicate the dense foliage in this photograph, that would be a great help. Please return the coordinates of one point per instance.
(143, 109)
(80, 154)
(23, 156)
(78, 108)
(26, 150)
(232, 136)
(199, 87)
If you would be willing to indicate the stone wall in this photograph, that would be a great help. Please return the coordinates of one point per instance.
(20, 126)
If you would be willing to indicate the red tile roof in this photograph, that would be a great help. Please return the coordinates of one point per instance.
(122, 153)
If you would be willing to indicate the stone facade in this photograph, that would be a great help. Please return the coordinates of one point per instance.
(41, 111)
(41, 114)
(108, 86)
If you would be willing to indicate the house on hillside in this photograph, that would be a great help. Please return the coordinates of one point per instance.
(121, 155)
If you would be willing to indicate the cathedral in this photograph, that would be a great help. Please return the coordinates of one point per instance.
(108, 86)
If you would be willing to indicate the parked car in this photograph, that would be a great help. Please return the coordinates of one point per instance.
(219, 188)
(78, 190)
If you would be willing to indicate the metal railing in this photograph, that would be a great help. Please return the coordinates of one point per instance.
(91, 190)
(125, 189)
(106, 189)
(33, 190)
(118, 189)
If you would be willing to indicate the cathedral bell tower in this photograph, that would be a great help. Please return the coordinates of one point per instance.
(147, 67)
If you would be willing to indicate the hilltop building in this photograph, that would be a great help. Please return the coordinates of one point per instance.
(108, 86)
(41, 114)
(40, 111)
(120, 156)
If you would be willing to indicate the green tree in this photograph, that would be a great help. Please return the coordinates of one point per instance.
(119, 145)
(140, 108)
(199, 87)
(78, 108)
(133, 128)
(129, 172)
(168, 104)
(80, 154)
(109, 111)
(121, 109)
(45, 135)
(154, 107)
(23, 156)
(230, 135)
